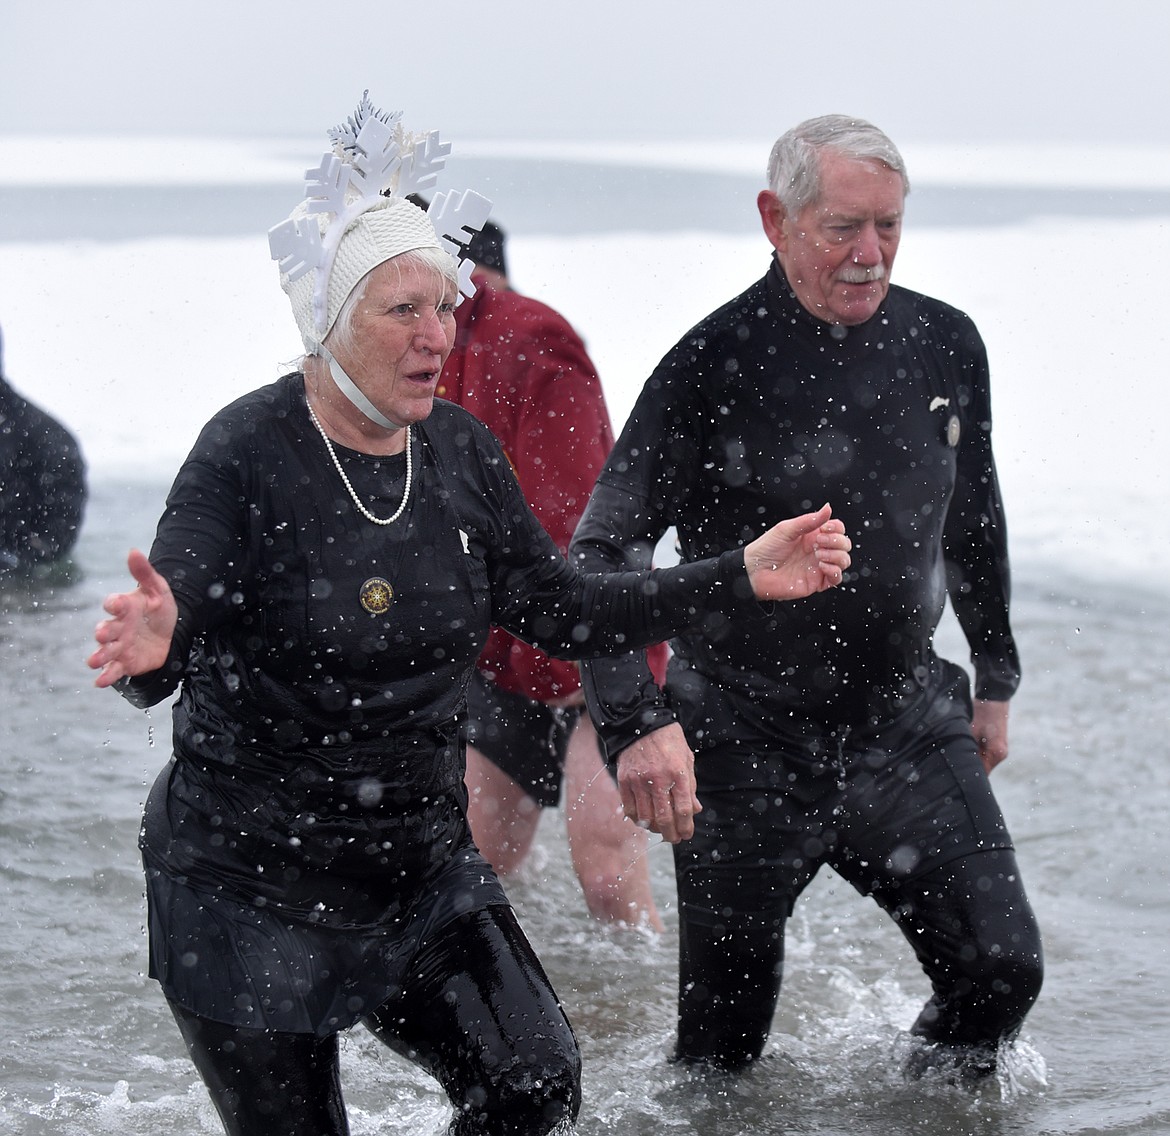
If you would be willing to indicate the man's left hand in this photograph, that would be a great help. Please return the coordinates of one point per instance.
(989, 724)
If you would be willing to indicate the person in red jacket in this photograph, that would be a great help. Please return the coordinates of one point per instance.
(520, 368)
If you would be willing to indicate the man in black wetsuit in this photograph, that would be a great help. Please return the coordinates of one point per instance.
(42, 484)
(829, 732)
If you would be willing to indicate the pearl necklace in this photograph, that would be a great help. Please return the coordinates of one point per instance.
(356, 500)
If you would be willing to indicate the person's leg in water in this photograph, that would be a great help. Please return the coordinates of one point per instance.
(925, 836)
(515, 751)
(607, 848)
(481, 1017)
(267, 1083)
(502, 816)
(972, 929)
(518, 752)
(738, 880)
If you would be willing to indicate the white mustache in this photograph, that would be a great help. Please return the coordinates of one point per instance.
(856, 274)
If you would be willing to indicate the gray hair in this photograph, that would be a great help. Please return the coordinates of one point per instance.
(442, 263)
(794, 168)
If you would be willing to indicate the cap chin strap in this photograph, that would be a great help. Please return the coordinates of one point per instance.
(350, 389)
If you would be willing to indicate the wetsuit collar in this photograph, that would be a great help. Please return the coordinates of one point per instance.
(829, 336)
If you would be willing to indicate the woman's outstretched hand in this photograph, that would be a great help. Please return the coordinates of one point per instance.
(137, 636)
(798, 557)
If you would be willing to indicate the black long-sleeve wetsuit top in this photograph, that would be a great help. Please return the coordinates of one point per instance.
(324, 660)
(762, 412)
(267, 558)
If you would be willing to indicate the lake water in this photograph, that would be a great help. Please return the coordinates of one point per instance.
(136, 320)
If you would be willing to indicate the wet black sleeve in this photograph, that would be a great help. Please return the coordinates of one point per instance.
(540, 598)
(638, 496)
(975, 542)
(199, 548)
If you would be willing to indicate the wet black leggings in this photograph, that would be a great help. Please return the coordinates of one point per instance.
(969, 923)
(480, 1015)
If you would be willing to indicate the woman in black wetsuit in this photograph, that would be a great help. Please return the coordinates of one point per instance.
(332, 554)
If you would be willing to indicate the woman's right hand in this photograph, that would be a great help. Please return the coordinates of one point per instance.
(137, 636)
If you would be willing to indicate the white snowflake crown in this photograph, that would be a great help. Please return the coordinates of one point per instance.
(374, 157)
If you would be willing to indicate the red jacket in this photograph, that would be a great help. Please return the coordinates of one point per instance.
(520, 368)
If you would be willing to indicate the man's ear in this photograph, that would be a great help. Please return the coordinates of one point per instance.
(774, 216)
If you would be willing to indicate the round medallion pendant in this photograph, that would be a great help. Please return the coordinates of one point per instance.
(376, 595)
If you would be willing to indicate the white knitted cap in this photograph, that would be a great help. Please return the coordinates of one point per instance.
(389, 227)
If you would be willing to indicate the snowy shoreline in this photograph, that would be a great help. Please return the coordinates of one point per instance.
(98, 160)
(135, 343)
